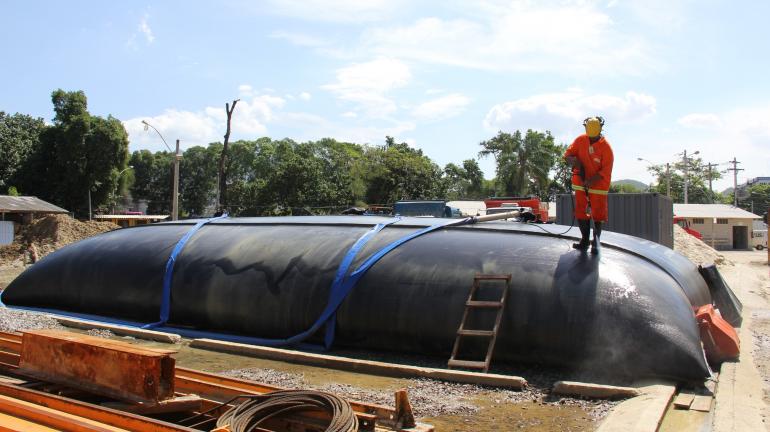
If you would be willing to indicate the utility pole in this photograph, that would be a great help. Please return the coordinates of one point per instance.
(668, 179)
(686, 168)
(175, 200)
(735, 170)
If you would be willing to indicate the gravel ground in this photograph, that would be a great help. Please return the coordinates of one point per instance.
(17, 320)
(429, 398)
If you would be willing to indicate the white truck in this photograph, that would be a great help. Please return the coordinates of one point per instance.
(759, 236)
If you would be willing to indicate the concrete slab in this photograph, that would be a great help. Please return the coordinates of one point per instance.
(739, 394)
(643, 413)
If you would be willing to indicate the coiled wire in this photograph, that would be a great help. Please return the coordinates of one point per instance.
(258, 408)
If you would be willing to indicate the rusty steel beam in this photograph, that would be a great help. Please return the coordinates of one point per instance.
(222, 388)
(97, 413)
(101, 366)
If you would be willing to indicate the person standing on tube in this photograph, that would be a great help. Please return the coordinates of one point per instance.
(591, 158)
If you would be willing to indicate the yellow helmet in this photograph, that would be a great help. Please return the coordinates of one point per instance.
(593, 126)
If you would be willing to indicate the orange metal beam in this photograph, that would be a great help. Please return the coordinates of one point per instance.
(49, 417)
(104, 415)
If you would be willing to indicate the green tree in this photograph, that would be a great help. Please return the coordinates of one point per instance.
(523, 162)
(464, 182)
(396, 171)
(19, 138)
(758, 197)
(153, 176)
(697, 188)
(198, 180)
(77, 154)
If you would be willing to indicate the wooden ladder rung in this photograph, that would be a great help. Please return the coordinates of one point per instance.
(483, 333)
(492, 277)
(467, 364)
(484, 304)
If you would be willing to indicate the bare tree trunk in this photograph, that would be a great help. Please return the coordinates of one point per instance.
(222, 175)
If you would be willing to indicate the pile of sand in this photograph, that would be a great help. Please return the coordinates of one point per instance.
(49, 233)
(695, 250)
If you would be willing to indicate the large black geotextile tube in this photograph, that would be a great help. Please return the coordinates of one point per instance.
(627, 311)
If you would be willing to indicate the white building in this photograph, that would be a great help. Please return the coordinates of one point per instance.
(722, 226)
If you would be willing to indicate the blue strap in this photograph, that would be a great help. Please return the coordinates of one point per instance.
(342, 284)
(165, 300)
(351, 281)
(339, 291)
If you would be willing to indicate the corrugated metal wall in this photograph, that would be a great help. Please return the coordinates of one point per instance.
(6, 232)
(645, 215)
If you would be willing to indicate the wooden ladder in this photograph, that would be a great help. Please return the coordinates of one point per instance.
(492, 334)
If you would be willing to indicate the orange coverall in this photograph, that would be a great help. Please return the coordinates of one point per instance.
(596, 158)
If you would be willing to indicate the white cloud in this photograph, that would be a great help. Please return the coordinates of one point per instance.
(571, 37)
(349, 114)
(145, 29)
(299, 39)
(250, 119)
(700, 120)
(441, 108)
(305, 96)
(340, 11)
(563, 113)
(366, 85)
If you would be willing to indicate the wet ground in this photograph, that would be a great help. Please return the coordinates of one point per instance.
(447, 406)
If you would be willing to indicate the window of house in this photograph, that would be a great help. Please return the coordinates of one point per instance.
(698, 221)
(721, 221)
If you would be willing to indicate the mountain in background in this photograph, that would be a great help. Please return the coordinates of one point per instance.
(636, 184)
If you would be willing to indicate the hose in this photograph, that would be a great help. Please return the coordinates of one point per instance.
(248, 415)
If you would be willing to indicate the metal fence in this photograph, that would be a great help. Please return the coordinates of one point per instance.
(6, 232)
(646, 215)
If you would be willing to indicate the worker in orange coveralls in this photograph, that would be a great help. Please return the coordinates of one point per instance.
(590, 156)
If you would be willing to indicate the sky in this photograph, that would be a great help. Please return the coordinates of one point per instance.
(667, 75)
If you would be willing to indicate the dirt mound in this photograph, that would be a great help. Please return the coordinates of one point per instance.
(49, 233)
(695, 250)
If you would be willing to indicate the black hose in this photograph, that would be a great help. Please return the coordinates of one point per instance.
(258, 408)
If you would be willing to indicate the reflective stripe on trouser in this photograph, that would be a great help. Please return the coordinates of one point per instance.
(598, 205)
(591, 191)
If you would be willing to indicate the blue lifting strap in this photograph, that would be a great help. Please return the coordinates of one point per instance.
(165, 300)
(339, 290)
(343, 284)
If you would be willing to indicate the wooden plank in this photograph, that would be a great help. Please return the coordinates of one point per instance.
(683, 401)
(362, 366)
(595, 391)
(480, 276)
(120, 330)
(479, 333)
(643, 413)
(470, 364)
(702, 403)
(484, 304)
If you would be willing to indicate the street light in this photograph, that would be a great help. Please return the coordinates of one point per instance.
(668, 174)
(177, 156)
(686, 167)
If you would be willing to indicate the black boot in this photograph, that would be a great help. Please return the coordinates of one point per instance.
(596, 244)
(585, 232)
